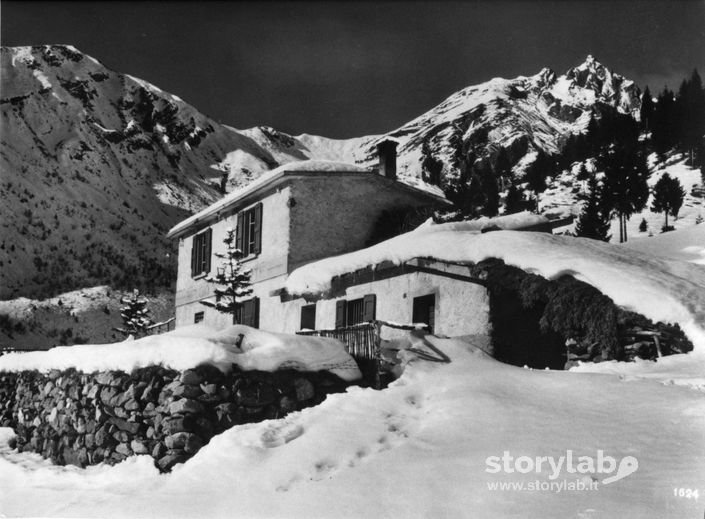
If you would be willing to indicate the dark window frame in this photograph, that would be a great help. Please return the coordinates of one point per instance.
(425, 304)
(355, 311)
(201, 250)
(248, 313)
(308, 317)
(248, 236)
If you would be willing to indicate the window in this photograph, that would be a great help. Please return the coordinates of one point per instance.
(356, 311)
(249, 231)
(248, 313)
(424, 310)
(201, 253)
(308, 317)
(197, 317)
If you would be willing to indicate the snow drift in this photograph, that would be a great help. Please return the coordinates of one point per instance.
(417, 449)
(188, 347)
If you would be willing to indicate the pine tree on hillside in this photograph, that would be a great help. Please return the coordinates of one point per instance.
(646, 111)
(536, 175)
(514, 202)
(626, 188)
(690, 113)
(668, 197)
(663, 124)
(490, 192)
(135, 315)
(594, 220)
(234, 280)
(431, 167)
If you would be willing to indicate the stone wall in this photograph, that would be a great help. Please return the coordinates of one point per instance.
(85, 419)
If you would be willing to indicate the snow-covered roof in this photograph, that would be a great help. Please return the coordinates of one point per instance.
(662, 290)
(275, 176)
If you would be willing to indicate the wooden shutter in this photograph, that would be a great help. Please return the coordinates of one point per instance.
(340, 314)
(240, 232)
(255, 321)
(208, 248)
(194, 244)
(258, 229)
(369, 302)
(250, 312)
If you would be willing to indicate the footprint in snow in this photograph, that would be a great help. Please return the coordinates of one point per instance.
(280, 434)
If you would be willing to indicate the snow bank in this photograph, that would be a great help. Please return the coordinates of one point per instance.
(417, 449)
(662, 290)
(188, 347)
(682, 244)
(76, 301)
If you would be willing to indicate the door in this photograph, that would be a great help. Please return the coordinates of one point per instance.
(424, 311)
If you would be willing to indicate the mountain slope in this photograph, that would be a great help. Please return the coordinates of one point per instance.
(522, 115)
(96, 167)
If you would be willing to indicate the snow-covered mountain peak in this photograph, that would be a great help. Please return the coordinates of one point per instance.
(592, 82)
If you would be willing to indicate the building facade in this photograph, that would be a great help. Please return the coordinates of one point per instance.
(296, 214)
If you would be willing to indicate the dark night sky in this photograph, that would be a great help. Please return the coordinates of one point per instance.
(348, 69)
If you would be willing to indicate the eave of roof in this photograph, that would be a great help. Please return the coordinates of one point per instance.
(276, 177)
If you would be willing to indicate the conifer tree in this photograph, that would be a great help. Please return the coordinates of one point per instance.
(594, 220)
(234, 280)
(663, 125)
(690, 114)
(626, 187)
(536, 175)
(668, 197)
(514, 202)
(646, 111)
(431, 167)
(135, 315)
(490, 191)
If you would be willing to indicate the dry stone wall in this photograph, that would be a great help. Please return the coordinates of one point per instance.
(85, 419)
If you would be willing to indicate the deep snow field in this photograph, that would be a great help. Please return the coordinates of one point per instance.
(417, 449)
(609, 440)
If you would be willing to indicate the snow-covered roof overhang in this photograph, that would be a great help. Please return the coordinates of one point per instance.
(302, 169)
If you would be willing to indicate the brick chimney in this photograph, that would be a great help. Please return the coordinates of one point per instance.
(387, 153)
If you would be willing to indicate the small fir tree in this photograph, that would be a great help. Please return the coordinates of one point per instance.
(514, 202)
(668, 197)
(643, 226)
(234, 280)
(135, 315)
(594, 220)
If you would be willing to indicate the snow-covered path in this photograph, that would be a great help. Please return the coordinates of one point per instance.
(418, 449)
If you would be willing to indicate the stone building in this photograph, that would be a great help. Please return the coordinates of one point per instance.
(293, 215)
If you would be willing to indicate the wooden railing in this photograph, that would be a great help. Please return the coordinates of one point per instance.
(359, 339)
(162, 327)
(363, 342)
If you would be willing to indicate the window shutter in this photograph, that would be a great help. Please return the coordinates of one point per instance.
(250, 312)
(240, 232)
(208, 247)
(258, 229)
(245, 313)
(369, 302)
(340, 314)
(193, 257)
